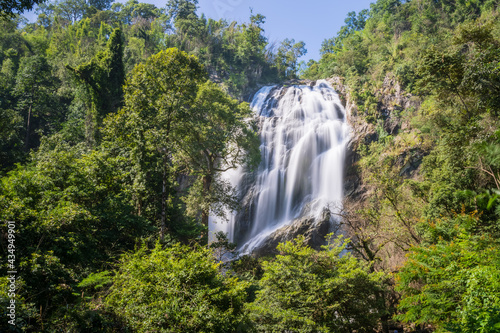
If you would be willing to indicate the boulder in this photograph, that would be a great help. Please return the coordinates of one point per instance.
(314, 230)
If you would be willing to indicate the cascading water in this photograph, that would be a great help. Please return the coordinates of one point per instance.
(304, 134)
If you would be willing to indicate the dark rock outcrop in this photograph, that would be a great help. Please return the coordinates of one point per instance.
(392, 101)
(314, 231)
(361, 133)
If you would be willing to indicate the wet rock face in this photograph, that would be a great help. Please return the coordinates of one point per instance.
(409, 162)
(361, 133)
(352, 179)
(244, 216)
(392, 101)
(314, 230)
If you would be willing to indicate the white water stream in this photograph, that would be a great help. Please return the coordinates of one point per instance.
(303, 134)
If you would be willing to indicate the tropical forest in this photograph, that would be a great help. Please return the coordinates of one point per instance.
(164, 171)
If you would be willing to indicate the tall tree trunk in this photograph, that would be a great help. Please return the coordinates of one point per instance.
(381, 297)
(207, 183)
(164, 198)
(28, 129)
(165, 191)
(90, 120)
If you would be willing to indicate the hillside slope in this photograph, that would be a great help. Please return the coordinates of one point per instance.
(421, 81)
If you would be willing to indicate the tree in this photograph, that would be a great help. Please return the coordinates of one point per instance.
(11, 123)
(100, 4)
(75, 10)
(177, 289)
(443, 74)
(181, 10)
(71, 10)
(452, 281)
(103, 76)
(11, 120)
(132, 11)
(287, 57)
(158, 94)
(353, 23)
(9, 8)
(384, 7)
(214, 137)
(73, 213)
(35, 87)
(304, 290)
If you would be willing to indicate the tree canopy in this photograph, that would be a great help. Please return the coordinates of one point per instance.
(117, 120)
(9, 8)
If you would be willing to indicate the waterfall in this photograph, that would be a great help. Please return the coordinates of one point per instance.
(303, 134)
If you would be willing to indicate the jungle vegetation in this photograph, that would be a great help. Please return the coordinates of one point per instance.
(117, 118)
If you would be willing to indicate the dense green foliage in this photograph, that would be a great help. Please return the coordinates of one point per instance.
(158, 96)
(453, 282)
(214, 137)
(304, 290)
(73, 215)
(117, 119)
(12, 7)
(425, 76)
(66, 70)
(103, 78)
(112, 136)
(178, 289)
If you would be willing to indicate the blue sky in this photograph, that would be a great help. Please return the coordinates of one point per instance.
(308, 21)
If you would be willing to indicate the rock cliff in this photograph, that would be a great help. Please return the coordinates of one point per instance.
(392, 101)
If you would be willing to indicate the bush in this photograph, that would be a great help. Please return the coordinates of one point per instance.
(177, 289)
(303, 290)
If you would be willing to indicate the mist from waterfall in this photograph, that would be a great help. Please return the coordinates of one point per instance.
(303, 134)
